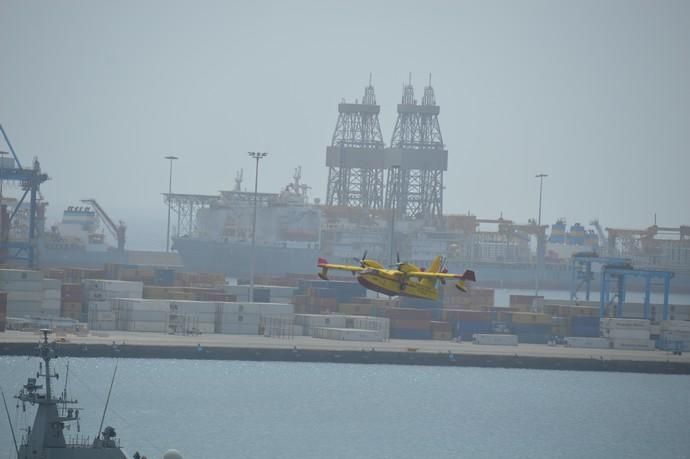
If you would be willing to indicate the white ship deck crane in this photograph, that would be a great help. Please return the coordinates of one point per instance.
(118, 231)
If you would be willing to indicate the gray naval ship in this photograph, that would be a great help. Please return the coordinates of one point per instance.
(46, 439)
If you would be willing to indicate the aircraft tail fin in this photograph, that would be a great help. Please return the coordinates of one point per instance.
(468, 275)
(323, 274)
(435, 267)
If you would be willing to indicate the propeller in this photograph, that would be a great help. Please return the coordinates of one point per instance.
(361, 261)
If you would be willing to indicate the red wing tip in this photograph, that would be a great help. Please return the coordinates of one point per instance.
(322, 261)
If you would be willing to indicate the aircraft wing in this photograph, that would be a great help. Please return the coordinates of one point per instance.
(351, 268)
(325, 266)
(462, 278)
(467, 275)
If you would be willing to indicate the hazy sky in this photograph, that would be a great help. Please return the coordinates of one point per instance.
(594, 93)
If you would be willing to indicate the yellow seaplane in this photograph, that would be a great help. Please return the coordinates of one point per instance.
(406, 279)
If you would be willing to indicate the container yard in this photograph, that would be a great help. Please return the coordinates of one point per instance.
(329, 316)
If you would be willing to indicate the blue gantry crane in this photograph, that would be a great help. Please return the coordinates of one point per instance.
(30, 180)
(620, 275)
(615, 272)
(582, 273)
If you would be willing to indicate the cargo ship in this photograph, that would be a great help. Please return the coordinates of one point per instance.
(292, 232)
(287, 238)
(78, 240)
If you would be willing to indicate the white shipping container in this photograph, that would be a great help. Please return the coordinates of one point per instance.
(346, 334)
(113, 285)
(588, 343)
(241, 318)
(51, 304)
(206, 328)
(23, 308)
(613, 322)
(370, 323)
(675, 325)
(239, 329)
(625, 333)
(495, 339)
(256, 308)
(52, 294)
(102, 325)
(52, 284)
(633, 344)
(209, 307)
(146, 316)
(22, 286)
(676, 335)
(24, 295)
(20, 274)
(147, 326)
(98, 316)
(99, 306)
(321, 320)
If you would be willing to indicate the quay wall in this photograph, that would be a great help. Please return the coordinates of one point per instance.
(351, 356)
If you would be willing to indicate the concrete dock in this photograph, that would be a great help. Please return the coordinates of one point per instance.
(308, 349)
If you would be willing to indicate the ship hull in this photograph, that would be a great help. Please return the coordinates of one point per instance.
(234, 258)
(75, 258)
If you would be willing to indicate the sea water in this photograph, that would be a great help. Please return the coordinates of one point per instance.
(224, 409)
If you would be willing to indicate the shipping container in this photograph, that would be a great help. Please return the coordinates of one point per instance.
(587, 342)
(625, 333)
(633, 344)
(466, 329)
(495, 339)
(20, 274)
(346, 334)
(410, 334)
(239, 329)
(610, 322)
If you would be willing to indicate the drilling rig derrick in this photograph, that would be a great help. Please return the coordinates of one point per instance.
(355, 158)
(416, 158)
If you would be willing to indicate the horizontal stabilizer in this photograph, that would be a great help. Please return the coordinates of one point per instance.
(469, 275)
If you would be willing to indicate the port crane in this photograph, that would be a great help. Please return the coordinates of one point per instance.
(118, 231)
(30, 180)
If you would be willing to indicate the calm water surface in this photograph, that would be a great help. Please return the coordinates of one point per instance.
(264, 410)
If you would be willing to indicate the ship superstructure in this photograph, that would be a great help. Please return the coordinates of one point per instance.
(46, 439)
(287, 232)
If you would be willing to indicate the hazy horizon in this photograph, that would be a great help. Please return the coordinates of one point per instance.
(594, 94)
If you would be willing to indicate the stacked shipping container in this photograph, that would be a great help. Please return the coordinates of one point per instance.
(627, 333)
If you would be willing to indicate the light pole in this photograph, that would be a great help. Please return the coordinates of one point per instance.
(252, 266)
(540, 255)
(167, 238)
(394, 208)
(2, 163)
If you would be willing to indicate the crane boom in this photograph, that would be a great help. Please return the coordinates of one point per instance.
(118, 231)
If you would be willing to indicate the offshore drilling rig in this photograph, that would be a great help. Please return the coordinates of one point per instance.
(413, 164)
